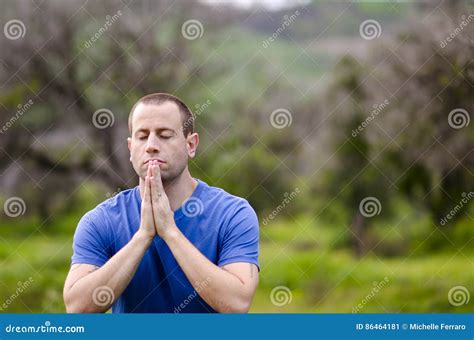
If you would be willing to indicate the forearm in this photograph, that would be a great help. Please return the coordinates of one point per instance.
(116, 274)
(222, 290)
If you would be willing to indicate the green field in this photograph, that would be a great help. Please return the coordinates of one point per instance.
(309, 258)
(324, 280)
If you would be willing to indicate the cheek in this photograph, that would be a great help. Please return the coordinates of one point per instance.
(182, 151)
(136, 155)
(136, 149)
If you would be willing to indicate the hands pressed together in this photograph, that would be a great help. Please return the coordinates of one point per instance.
(157, 218)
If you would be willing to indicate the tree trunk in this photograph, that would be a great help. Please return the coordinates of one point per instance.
(357, 234)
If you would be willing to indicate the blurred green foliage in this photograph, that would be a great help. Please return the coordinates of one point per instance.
(319, 245)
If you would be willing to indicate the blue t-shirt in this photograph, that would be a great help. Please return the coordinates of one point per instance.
(223, 227)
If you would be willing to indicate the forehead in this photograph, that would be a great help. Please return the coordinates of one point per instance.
(156, 116)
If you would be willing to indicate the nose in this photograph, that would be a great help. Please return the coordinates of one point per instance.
(153, 144)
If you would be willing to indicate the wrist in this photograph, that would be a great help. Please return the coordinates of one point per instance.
(143, 237)
(171, 233)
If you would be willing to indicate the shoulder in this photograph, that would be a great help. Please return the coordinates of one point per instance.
(104, 211)
(225, 200)
(118, 200)
(233, 210)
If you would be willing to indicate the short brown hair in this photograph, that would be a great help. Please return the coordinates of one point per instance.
(161, 98)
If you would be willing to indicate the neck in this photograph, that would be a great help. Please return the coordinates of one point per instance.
(177, 190)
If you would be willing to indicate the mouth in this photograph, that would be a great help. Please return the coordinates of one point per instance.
(154, 159)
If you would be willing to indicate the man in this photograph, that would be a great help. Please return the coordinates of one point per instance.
(171, 244)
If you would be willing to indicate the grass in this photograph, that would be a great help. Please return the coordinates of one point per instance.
(323, 277)
(336, 282)
(311, 260)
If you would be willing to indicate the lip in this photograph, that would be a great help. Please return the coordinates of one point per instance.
(154, 159)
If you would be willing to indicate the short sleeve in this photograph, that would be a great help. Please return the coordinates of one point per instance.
(90, 244)
(239, 242)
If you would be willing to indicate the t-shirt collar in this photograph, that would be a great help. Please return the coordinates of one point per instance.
(178, 213)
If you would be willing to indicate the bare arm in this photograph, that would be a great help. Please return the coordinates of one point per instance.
(90, 289)
(227, 289)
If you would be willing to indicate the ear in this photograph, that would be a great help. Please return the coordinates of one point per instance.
(192, 142)
(129, 144)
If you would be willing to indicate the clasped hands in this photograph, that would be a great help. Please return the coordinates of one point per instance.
(157, 218)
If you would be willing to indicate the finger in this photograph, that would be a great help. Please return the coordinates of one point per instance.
(155, 193)
(157, 176)
(150, 191)
(146, 193)
(148, 171)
